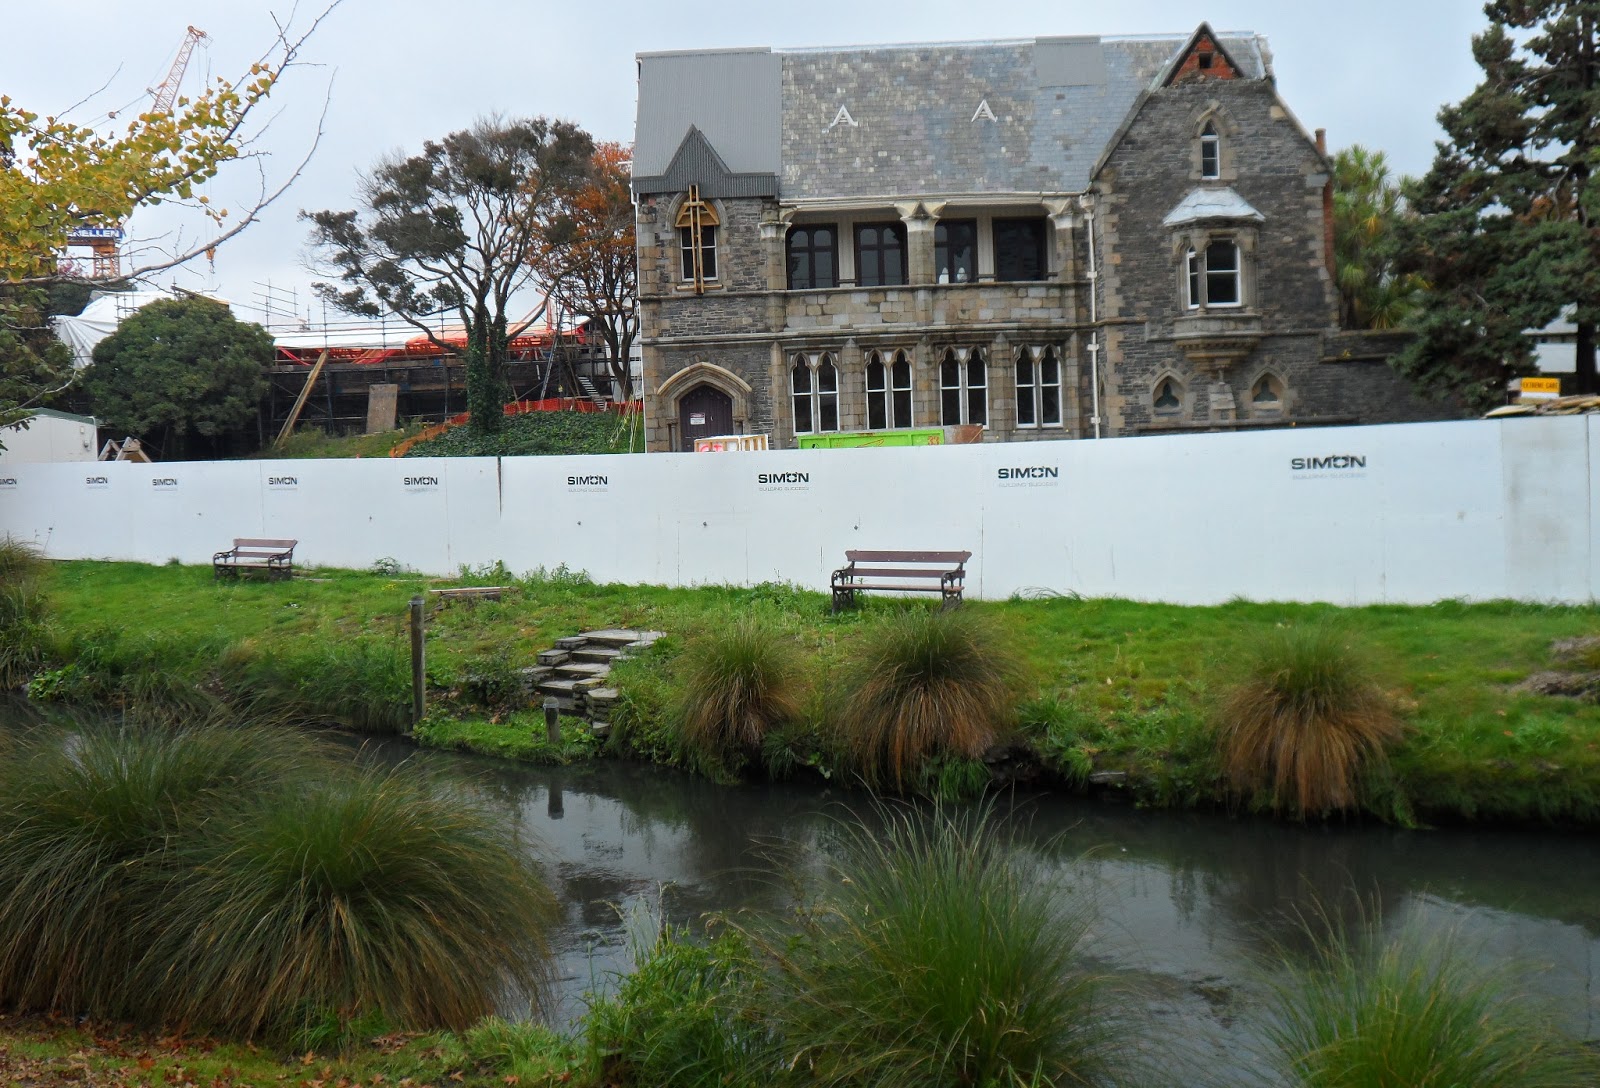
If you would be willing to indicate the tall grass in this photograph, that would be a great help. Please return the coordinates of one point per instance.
(924, 685)
(1415, 1012)
(238, 880)
(938, 955)
(23, 631)
(362, 684)
(1304, 722)
(741, 681)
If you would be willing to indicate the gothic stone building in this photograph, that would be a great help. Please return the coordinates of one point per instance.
(1057, 238)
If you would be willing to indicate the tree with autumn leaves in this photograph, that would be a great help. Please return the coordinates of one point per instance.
(58, 176)
(584, 254)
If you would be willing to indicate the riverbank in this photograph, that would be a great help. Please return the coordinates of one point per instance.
(1112, 696)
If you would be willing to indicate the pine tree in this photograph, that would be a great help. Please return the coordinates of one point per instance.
(1508, 223)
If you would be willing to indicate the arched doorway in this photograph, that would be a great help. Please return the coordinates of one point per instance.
(702, 412)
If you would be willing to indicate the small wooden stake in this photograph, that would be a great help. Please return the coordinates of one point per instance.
(419, 682)
(552, 719)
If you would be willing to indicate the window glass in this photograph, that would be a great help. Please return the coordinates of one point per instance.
(1167, 398)
(949, 391)
(1265, 398)
(900, 377)
(708, 251)
(813, 257)
(827, 395)
(1019, 249)
(880, 255)
(977, 390)
(1222, 274)
(1192, 271)
(800, 385)
(1026, 392)
(1049, 391)
(877, 395)
(955, 250)
(1210, 152)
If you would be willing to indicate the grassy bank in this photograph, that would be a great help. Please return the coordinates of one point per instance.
(1103, 694)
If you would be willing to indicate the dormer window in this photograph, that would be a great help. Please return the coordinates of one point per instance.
(697, 240)
(1210, 150)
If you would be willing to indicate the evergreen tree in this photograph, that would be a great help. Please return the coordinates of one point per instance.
(1367, 212)
(1508, 223)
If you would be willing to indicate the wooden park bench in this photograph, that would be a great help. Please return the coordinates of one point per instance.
(943, 573)
(276, 557)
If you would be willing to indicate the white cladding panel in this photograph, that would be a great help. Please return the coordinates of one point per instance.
(1404, 513)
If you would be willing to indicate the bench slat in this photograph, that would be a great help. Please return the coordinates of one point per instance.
(859, 571)
(896, 588)
(906, 557)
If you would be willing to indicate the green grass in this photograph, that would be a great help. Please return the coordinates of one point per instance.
(537, 433)
(239, 880)
(24, 632)
(312, 442)
(1414, 1011)
(940, 955)
(1109, 685)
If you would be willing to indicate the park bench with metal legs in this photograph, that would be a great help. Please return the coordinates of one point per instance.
(943, 573)
(274, 557)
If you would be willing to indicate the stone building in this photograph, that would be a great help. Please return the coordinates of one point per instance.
(1056, 238)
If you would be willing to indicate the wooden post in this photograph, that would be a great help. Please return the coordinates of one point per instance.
(552, 719)
(419, 681)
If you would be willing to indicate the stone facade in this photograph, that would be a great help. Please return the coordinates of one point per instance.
(1185, 279)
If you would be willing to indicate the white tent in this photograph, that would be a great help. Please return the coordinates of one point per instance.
(106, 310)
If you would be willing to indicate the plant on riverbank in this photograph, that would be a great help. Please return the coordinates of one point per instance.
(1414, 1011)
(687, 1016)
(232, 879)
(940, 955)
(740, 681)
(362, 684)
(1304, 722)
(23, 631)
(924, 685)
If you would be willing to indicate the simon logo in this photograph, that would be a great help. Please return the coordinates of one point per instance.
(97, 481)
(8, 481)
(1031, 472)
(422, 481)
(783, 478)
(164, 481)
(283, 481)
(588, 481)
(1334, 461)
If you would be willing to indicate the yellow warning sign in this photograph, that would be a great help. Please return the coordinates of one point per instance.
(1541, 387)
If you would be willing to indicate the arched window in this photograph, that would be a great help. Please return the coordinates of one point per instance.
(888, 391)
(1210, 152)
(1266, 396)
(1167, 399)
(963, 387)
(814, 392)
(1038, 387)
(697, 240)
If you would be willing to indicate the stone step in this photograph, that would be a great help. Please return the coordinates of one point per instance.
(561, 688)
(553, 657)
(602, 696)
(581, 669)
(619, 637)
(599, 655)
(572, 642)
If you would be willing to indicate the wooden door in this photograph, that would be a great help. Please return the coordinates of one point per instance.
(702, 412)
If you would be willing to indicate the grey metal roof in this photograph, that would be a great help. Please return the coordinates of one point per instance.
(914, 120)
(1202, 204)
(697, 163)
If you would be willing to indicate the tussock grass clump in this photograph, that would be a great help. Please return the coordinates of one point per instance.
(23, 632)
(1304, 721)
(939, 955)
(1414, 1012)
(238, 880)
(740, 681)
(924, 685)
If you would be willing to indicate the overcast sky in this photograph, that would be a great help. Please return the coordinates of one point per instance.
(1373, 72)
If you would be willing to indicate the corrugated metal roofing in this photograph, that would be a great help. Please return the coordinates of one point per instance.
(732, 96)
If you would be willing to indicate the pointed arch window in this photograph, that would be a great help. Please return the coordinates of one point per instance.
(1167, 398)
(697, 240)
(1210, 151)
(1266, 396)
(888, 391)
(1038, 387)
(814, 393)
(963, 387)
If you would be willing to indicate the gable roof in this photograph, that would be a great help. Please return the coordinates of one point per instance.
(696, 162)
(914, 119)
(1178, 65)
(1203, 204)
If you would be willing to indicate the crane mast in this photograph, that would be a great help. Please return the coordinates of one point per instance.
(166, 91)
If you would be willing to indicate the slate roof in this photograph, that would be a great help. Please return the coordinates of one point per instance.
(916, 124)
(1202, 204)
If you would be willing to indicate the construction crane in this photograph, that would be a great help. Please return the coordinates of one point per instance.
(105, 243)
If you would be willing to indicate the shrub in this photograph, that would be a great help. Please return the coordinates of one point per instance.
(234, 879)
(687, 1016)
(23, 631)
(939, 955)
(1414, 1012)
(926, 684)
(1303, 722)
(363, 684)
(740, 682)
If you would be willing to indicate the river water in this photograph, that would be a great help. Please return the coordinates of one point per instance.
(1188, 904)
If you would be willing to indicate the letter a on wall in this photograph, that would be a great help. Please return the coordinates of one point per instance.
(983, 112)
(843, 118)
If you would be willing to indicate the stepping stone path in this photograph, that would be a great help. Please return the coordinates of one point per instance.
(575, 672)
